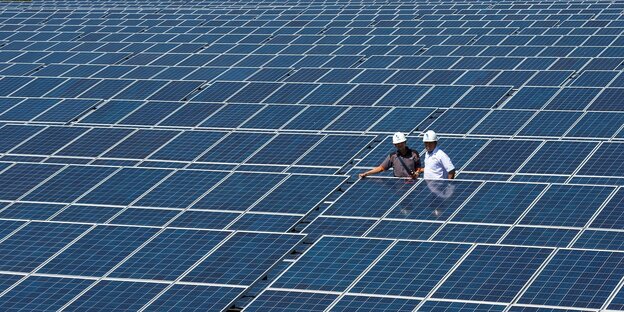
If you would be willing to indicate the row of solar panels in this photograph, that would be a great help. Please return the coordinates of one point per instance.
(140, 264)
(342, 94)
(288, 148)
(354, 57)
(349, 273)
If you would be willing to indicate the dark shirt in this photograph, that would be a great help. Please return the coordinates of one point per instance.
(411, 160)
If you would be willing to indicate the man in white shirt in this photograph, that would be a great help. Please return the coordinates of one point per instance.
(437, 164)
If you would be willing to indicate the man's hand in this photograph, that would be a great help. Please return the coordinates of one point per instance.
(362, 175)
(415, 175)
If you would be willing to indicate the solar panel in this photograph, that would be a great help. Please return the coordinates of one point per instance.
(488, 274)
(566, 269)
(40, 293)
(312, 271)
(126, 128)
(243, 258)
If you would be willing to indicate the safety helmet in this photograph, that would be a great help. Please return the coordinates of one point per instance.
(430, 136)
(398, 138)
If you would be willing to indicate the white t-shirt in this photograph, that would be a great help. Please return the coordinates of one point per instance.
(437, 164)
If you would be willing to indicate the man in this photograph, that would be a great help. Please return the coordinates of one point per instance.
(405, 162)
(437, 164)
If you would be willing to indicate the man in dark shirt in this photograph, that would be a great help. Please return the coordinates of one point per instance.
(404, 162)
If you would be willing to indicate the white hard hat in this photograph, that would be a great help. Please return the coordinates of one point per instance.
(430, 136)
(398, 138)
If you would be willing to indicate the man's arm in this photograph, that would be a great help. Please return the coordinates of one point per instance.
(372, 171)
(451, 174)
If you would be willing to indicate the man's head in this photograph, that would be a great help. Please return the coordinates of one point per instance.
(399, 140)
(430, 138)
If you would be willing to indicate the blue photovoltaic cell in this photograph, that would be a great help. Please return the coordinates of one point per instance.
(575, 205)
(254, 92)
(170, 254)
(441, 96)
(327, 94)
(299, 194)
(532, 309)
(87, 214)
(6, 280)
(28, 109)
(337, 226)
(195, 298)
(141, 144)
(332, 264)
(572, 99)
(401, 119)
(98, 251)
(290, 93)
(66, 111)
(604, 161)
(150, 114)
(610, 217)
(69, 184)
(442, 306)
(364, 95)
(111, 112)
(594, 239)
(265, 223)
(404, 230)
(124, 186)
(204, 220)
(35, 243)
(369, 198)
(358, 119)
(145, 217)
(492, 273)
(175, 91)
(374, 304)
(243, 259)
(547, 237)
(433, 200)
(284, 149)
(20, 178)
(576, 278)
(94, 142)
(410, 269)
(116, 296)
(106, 89)
(530, 98)
(558, 157)
(140, 90)
(181, 189)
(8, 226)
(335, 150)
(40, 293)
(503, 122)
(470, 233)
(403, 95)
(245, 188)
(501, 203)
(457, 120)
(610, 99)
(272, 117)
(314, 118)
(30, 211)
(244, 143)
(460, 150)
(231, 116)
(49, 140)
(218, 91)
(187, 146)
(483, 97)
(550, 123)
(502, 156)
(291, 301)
(190, 115)
(12, 135)
(597, 125)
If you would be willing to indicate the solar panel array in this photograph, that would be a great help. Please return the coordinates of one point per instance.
(203, 156)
